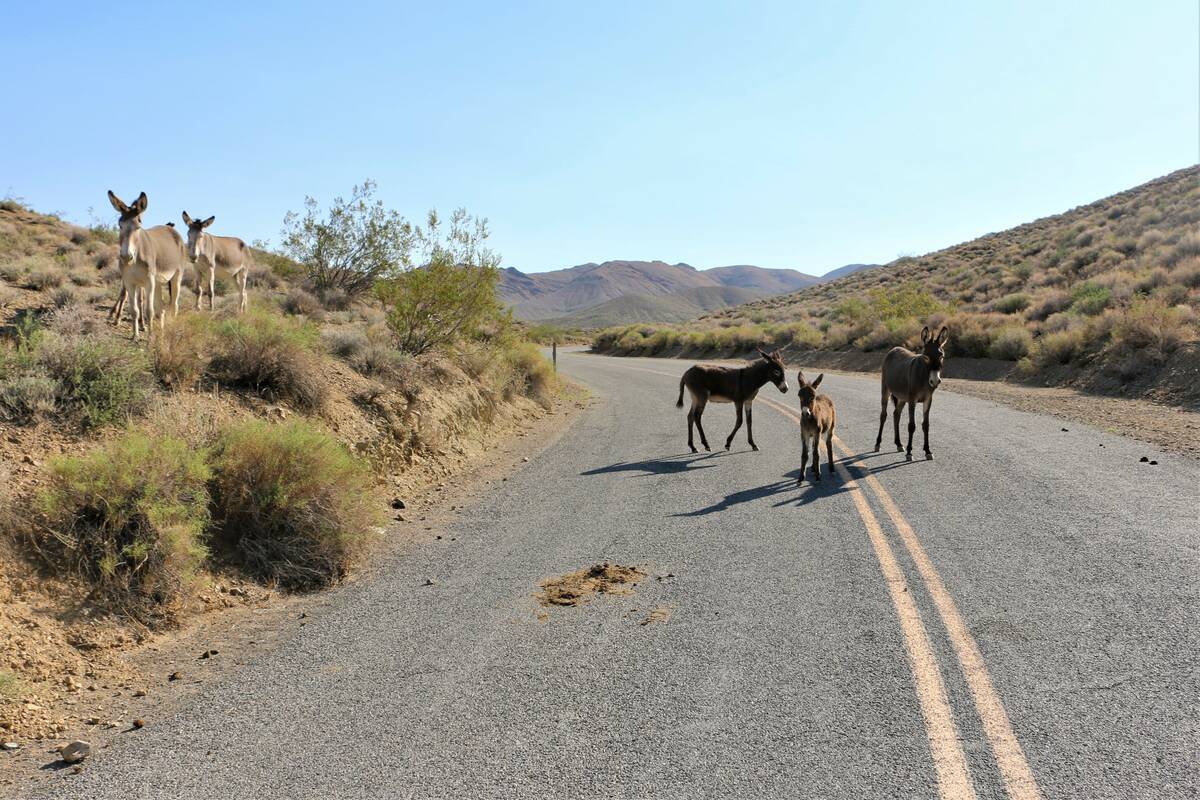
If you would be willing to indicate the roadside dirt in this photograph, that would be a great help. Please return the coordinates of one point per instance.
(89, 679)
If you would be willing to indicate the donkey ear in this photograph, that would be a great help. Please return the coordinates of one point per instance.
(762, 353)
(817, 382)
(187, 219)
(140, 204)
(944, 335)
(925, 334)
(207, 222)
(117, 202)
(800, 377)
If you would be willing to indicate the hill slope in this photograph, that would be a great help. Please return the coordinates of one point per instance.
(1103, 296)
(548, 295)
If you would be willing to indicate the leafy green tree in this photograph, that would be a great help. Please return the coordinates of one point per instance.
(352, 245)
(452, 294)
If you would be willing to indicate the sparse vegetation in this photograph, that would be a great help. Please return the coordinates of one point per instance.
(129, 518)
(294, 506)
(271, 356)
(1105, 286)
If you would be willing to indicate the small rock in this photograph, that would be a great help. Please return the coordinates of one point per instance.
(93, 720)
(139, 723)
(429, 582)
(398, 503)
(1154, 463)
(1143, 460)
(526, 460)
(174, 676)
(75, 752)
(76, 769)
(209, 653)
(1064, 430)
(140, 693)
(28, 459)
(9, 746)
(399, 518)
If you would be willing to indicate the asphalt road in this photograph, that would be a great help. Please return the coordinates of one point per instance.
(1016, 618)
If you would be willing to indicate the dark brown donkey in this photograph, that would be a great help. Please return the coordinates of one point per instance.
(737, 385)
(911, 378)
(817, 418)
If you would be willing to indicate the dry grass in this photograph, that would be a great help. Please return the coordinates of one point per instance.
(1094, 285)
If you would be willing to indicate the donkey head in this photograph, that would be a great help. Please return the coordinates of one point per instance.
(130, 221)
(196, 244)
(934, 353)
(807, 392)
(775, 373)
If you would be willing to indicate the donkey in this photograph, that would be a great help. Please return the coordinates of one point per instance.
(911, 378)
(226, 255)
(147, 256)
(817, 418)
(737, 385)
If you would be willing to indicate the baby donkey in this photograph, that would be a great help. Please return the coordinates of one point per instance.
(817, 419)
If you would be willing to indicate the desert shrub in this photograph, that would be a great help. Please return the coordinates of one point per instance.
(1010, 344)
(1149, 324)
(970, 336)
(1186, 273)
(534, 374)
(63, 296)
(1062, 347)
(73, 320)
(180, 353)
(381, 360)
(129, 518)
(293, 506)
(11, 272)
(1090, 298)
(263, 278)
(42, 279)
(301, 303)
(345, 343)
(11, 687)
(1188, 246)
(100, 381)
(26, 398)
(889, 334)
(1052, 302)
(334, 298)
(271, 356)
(83, 277)
(1011, 303)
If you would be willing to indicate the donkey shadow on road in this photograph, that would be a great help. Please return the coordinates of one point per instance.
(684, 462)
(858, 462)
(829, 485)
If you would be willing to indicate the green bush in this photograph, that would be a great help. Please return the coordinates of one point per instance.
(534, 374)
(271, 356)
(100, 381)
(181, 351)
(1010, 344)
(1090, 298)
(293, 506)
(130, 518)
(1062, 347)
(1011, 303)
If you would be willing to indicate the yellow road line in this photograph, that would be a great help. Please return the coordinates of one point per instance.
(1019, 781)
(954, 778)
(1018, 778)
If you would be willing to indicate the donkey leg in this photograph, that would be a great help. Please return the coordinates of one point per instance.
(243, 301)
(817, 456)
(803, 458)
(212, 288)
(750, 425)
(925, 427)
(829, 449)
(912, 426)
(899, 406)
(736, 426)
(691, 417)
(882, 422)
(700, 427)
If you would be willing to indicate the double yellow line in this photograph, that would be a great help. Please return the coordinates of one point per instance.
(954, 778)
(950, 763)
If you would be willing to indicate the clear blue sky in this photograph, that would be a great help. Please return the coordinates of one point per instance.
(781, 134)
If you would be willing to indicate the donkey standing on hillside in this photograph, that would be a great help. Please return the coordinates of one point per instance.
(817, 418)
(737, 385)
(911, 378)
(147, 256)
(226, 255)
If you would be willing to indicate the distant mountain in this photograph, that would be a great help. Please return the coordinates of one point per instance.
(685, 305)
(560, 293)
(842, 272)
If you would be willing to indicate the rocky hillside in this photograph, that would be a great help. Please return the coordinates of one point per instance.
(1103, 296)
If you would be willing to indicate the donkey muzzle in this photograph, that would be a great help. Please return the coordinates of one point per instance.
(783, 387)
(934, 379)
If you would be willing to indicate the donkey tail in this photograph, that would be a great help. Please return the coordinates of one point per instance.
(679, 402)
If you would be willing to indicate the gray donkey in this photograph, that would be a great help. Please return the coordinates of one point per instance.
(911, 378)
(226, 255)
(737, 385)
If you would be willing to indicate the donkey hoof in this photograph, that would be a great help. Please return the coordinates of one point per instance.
(928, 456)
(754, 447)
(908, 456)
(694, 450)
(726, 447)
(707, 449)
